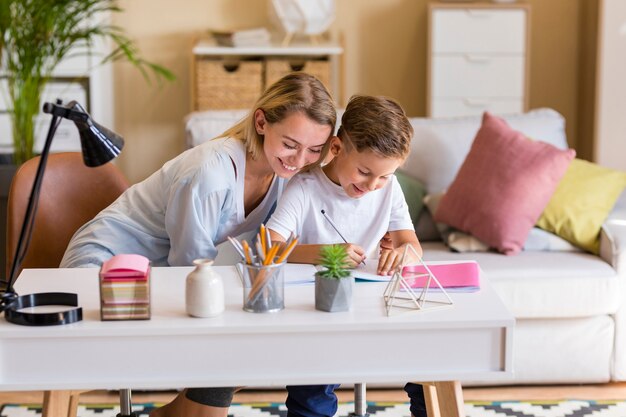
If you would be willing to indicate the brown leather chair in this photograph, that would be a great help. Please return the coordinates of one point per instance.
(71, 195)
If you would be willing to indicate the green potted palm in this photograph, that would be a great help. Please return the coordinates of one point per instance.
(35, 36)
(334, 283)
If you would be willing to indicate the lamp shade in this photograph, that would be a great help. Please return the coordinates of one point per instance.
(99, 144)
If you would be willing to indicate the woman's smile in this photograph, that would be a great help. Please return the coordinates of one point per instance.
(290, 168)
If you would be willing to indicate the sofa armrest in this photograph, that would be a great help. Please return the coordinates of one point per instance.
(613, 244)
(613, 236)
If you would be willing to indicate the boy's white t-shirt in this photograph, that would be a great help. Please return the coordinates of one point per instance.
(362, 221)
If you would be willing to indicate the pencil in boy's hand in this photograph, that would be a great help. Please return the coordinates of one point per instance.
(336, 230)
(333, 225)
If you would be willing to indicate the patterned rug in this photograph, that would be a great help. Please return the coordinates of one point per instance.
(569, 408)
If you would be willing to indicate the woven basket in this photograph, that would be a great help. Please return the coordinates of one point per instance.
(227, 85)
(278, 68)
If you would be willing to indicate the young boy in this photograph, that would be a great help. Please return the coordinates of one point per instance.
(360, 195)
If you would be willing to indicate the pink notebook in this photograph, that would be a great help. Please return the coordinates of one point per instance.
(451, 275)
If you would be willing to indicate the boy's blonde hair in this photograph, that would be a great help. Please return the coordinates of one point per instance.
(295, 92)
(377, 123)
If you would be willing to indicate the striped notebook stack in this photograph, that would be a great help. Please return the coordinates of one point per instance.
(125, 288)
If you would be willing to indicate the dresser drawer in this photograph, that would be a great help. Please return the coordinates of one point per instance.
(478, 30)
(454, 107)
(477, 76)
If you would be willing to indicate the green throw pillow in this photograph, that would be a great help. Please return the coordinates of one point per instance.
(414, 192)
(582, 201)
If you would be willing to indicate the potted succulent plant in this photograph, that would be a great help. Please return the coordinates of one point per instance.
(333, 284)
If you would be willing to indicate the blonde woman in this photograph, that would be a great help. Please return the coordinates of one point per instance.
(224, 187)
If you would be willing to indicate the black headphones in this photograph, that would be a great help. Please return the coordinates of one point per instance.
(13, 304)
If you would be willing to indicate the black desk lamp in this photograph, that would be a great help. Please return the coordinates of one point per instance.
(99, 146)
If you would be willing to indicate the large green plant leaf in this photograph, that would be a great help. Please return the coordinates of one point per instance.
(37, 35)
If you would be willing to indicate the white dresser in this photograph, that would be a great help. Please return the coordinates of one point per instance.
(477, 58)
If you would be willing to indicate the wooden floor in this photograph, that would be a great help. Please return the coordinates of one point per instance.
(613, 391)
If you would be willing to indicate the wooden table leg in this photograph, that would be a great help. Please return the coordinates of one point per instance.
(60, 403)
(450, 397)
(430, 397)
(73, 410)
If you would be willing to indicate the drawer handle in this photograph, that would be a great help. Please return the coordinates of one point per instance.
(473, 102)
(478, 59)
(230, 66)
(477, 14)
(297, 65)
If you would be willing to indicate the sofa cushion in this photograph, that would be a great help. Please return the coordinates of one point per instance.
(439, 146)
(544, 284)
(202, 126)
(414, 192)
(503, 186)
(581, 203)
(538, 239)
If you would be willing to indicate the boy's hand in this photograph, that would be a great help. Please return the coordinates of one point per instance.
(390, 260)
(356, 254)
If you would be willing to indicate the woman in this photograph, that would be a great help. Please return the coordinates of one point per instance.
(224, 187)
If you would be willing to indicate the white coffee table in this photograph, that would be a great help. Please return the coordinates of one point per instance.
(470, 341)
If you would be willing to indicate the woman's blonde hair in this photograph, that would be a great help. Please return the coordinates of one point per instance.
(295, 92)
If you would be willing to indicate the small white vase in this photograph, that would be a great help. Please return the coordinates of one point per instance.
(204, 290)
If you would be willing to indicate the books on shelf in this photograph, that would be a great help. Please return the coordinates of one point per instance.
(245, 37)
(125, 288)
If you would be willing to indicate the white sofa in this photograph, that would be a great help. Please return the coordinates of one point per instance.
(570, 306)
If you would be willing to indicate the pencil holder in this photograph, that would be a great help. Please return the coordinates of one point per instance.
(263, 287)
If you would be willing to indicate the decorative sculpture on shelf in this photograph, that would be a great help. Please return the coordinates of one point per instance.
(399, 291)
(306, 17)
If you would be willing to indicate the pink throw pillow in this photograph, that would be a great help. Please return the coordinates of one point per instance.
(503, 186)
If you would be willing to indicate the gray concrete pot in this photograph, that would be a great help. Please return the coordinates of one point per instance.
(333, 295)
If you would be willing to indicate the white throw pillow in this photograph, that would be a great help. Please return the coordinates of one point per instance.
(205, 125)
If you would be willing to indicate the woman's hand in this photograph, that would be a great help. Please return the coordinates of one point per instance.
(386, 243)
(356, 254)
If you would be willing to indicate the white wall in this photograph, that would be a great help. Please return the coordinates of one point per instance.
(610, 143)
